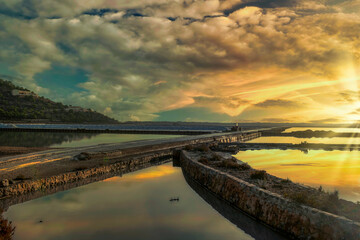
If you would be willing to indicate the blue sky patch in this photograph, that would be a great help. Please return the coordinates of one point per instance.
(62, 80)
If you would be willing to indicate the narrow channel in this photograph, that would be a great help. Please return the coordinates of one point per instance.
(133, 206)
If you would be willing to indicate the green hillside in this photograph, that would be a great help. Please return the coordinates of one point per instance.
(20, 104)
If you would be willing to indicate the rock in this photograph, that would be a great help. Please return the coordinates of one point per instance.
(5, 183)
(82, 156)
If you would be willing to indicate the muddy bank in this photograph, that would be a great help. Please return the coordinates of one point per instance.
(9, 151)
(257, 198)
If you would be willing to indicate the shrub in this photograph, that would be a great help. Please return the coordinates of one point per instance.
(204, 160)
(216, 157)
(244, 166)
(228, 164)
(258, 174)
(334, 196)
(287, 180)
(203, 148)
(303, 198)
(6, 229)
(188, 148)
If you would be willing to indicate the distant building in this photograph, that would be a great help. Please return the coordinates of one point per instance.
(236, 128)
(76, 109)
(22, 93)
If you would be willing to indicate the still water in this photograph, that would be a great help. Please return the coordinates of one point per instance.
(49, 139)
(134, 206)
(331, 169)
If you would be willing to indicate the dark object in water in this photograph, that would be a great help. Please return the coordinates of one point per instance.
(174, 199)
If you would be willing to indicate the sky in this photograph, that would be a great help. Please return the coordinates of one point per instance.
(163, 60)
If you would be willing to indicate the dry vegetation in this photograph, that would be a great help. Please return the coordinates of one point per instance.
(6, 228)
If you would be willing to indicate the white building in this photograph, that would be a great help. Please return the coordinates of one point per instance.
(23, 93)
(76, 109)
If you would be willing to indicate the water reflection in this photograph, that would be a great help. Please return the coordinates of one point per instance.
(134, 206)
(112, 138)
(52, 139)
(39, 139)
(333, 170)
(250, 226)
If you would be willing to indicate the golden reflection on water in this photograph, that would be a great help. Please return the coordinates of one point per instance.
(159, 171)
(134, 206)
(332, 169)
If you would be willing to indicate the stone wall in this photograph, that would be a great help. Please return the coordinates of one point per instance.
(295, 220)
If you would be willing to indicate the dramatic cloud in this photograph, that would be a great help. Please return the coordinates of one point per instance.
(247, 59)
(278, 103)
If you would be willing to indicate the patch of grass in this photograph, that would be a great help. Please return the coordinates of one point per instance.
(303, 198)
(21, 177)
(258, 174)
(328, 202)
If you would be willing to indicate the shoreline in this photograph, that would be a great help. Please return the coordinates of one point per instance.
(41, 170)
(287, 216)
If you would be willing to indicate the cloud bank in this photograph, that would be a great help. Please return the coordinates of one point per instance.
(255, 60)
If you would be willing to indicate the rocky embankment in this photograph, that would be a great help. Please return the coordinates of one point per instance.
(299, 211)
(22, 185)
